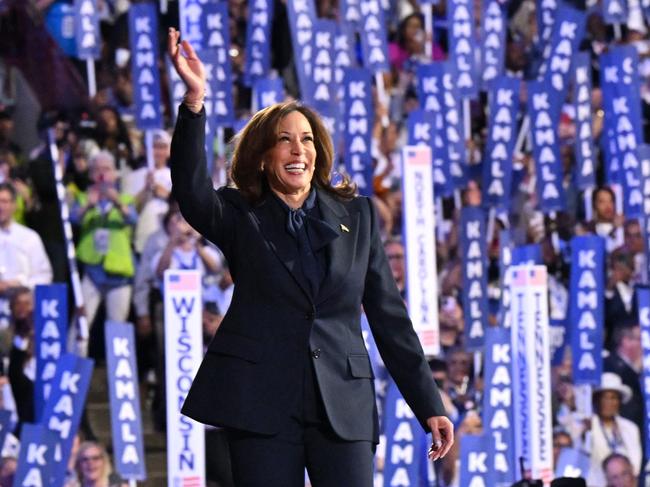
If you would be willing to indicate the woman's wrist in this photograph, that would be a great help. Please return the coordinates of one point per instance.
(194, 101)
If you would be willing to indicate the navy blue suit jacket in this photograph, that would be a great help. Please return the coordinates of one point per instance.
(253, 368)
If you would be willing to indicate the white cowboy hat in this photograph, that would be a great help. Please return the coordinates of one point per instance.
(612, 382)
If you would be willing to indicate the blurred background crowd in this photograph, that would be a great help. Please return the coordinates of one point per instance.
(110, 188)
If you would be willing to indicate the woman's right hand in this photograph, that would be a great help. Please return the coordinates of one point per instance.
(187, 64)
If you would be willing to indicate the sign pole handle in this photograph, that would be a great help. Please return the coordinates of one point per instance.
(467, 119)
(148, 141)
(382, 96)
(523, 133)
(587, 199)
(428, 30)
(92, 81)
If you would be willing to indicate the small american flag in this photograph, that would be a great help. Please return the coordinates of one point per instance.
(183, 282)
(428, 337)
(537, 277)
(519, 277)
(418, 155)
(188, 482)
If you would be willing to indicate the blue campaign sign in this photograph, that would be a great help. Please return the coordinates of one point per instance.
(267, 92)
(643, 300)
(585, 168)
(302, 17)
(421, 129)
(429, 87)
(64, 407)
(50, 332)
(475, 301)
(351, 13)
(437, 93)
(499, 150)
(143, 28)
(86, 28)
(329, 114)
(324, 83)
(344, 58)
(126, 417)
(476, 461)
(621, 90)
(374, 44)
(219, 77)
(572, 463)
(462, 46)
(359, 118)
(527, 254)
(568, 31)
(344, 53)
(586, 308)
(546, 149)
(258, 41)
(190, 13)
(493, 29)
(36, 461)
(404, 438)
(615, 11)
(497, 404)
(545, 11)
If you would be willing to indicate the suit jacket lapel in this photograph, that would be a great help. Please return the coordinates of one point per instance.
(341, 249)
(272, 222)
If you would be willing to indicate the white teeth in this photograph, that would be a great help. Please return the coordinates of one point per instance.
(295, 167)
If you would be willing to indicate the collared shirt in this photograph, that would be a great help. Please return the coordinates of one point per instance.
(23, 257)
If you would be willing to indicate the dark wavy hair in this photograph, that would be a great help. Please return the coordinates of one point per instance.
(260, 135)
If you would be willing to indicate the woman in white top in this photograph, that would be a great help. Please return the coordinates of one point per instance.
(611, 433)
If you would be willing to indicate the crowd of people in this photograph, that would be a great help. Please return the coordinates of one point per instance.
(128, 230)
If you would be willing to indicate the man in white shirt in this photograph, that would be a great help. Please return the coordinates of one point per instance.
(23, 261)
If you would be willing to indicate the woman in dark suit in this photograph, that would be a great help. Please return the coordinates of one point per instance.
(287, 374)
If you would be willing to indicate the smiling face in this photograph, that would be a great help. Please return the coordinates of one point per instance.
(289, 165)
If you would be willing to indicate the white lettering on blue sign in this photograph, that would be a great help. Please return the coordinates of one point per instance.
(587, 302)
(146, 69)
(373, 33)
(462, 43)
(493, 36)
(258, 42)
(191, 12)
(545, 141)
(125, 395)
(474, 275)
(560, 60)
(501, 135)
(89, 39)
(357, 129)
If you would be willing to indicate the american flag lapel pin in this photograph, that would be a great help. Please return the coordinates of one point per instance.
(344, 228)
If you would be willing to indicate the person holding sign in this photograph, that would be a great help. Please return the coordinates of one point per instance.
(287, 373)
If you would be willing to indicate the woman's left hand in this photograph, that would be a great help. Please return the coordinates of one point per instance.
(442, 431)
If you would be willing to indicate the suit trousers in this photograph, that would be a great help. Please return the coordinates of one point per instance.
(280, 460)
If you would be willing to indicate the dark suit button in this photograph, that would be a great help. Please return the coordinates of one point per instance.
(316, 353)
(309, 316)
